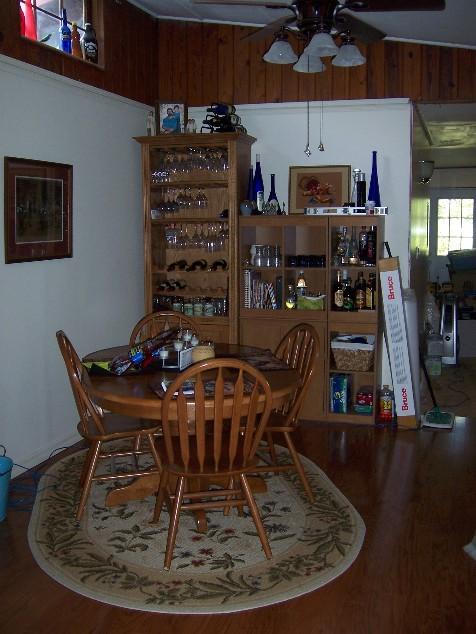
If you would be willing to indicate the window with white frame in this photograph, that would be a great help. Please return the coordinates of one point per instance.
(455, 224)
(452, 224)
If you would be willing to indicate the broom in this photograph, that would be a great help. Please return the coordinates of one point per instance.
(435, 417)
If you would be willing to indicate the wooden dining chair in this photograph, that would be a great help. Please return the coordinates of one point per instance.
(98, 428)
(154, 323)
(213, 433)
(298, 349)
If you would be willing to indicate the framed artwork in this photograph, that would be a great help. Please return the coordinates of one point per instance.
(38, 210)
(170, 117)
(321, 186)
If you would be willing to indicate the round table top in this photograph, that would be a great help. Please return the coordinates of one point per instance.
(132, 395)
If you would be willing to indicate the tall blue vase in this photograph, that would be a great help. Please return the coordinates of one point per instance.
(374, 192)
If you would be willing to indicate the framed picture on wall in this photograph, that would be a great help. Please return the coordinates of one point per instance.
(38, 210)
(170, 117)
(320, 186)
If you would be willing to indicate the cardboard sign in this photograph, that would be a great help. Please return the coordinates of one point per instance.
(397, 341)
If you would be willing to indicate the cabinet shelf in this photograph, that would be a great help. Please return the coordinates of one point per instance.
(195, 183)
(224, 190)
(299, 235)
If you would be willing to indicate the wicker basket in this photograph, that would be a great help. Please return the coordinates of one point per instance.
(351, 356)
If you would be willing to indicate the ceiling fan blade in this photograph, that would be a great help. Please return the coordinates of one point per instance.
(395, 5)
(362, 31)
(273, 4)
(269, 29)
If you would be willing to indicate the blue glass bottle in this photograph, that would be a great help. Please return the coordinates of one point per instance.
(374, 192)
(273, 201)
(258, 186)
(65, 35)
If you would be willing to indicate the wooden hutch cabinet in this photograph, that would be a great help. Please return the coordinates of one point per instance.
(287, 246)
(192, 186)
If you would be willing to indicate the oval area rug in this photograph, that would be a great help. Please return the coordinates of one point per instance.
(115, 555)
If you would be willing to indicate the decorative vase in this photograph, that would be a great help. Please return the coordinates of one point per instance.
(374, 192)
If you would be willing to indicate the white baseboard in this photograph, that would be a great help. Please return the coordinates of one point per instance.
(43, 454)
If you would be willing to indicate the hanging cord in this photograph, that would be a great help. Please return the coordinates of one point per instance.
(22, 494)
(307, 150)
(321, 147)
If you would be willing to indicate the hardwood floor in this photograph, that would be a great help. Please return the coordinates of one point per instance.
(416, 491)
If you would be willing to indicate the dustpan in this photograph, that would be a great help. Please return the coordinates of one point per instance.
(435, 417)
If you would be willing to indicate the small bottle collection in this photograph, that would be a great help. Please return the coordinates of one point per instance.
(256, 203)
(341, 400)
(70, 40)
(354, 251)
(222, 117)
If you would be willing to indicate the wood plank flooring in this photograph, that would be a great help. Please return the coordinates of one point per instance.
(416, 491)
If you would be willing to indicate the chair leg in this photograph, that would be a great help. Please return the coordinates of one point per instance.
(161, 494)
(95, 449)
(299, 468)
(174, 521)
(271, 447)
(85, 469)
(256, 516)
(154, 452)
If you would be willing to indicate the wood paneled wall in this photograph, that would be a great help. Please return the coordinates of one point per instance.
(130, 52)
(146, 60)
(200, 63)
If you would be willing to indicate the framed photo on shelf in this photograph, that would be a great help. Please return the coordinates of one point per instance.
(320, 186)
(170, 117)
(38, 210)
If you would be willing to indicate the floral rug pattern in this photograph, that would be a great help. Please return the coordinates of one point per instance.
(115, 555)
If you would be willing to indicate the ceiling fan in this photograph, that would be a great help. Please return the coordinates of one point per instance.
(332, 16)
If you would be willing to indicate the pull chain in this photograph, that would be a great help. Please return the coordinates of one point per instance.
(307, 150)
(320, 147)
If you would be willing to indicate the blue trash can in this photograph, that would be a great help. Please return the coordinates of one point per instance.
(6, 465)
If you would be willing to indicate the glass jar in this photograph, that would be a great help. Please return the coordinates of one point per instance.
(208, 308)
(188, 308)
(198, 307)
(177, 305)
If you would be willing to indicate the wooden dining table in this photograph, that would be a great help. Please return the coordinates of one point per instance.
(133, 395)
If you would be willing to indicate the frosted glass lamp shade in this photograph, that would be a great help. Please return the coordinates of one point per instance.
(280, 52)
(309, 63)
(425, 171)
(322, 45)
(348, 55)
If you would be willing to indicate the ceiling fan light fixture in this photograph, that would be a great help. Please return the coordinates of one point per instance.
(309, 63)
(322, 45)
(280, 51)
(348, 55)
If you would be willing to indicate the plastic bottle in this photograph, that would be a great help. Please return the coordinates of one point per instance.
(76, 49)
(374, 192)
(258, 186)
(90, 44)
(65, 35)
(385, 407)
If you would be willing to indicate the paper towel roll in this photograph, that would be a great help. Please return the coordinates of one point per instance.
(411, 318)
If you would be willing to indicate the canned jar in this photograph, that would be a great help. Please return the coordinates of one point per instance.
(188, 309)
(208, 308)
(198, 307)
(177, 305)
